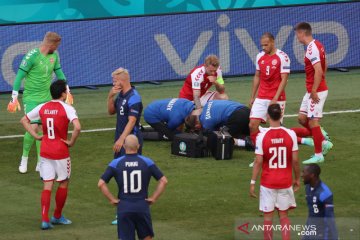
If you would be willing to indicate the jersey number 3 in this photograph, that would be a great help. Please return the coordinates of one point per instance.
(134, 174)
(279, 154)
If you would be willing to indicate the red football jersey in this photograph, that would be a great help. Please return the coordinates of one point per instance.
(276, 145)
(315, 53)
(198, 80)
(55, 117)
(271, 67)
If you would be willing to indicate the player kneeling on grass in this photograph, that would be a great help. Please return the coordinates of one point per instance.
(132, 173)
(54, 152)
(223, 114)
(277, 155)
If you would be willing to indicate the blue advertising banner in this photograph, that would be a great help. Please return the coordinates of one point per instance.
(21, 11)
(167, 47)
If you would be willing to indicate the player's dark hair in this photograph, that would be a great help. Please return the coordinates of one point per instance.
(303, 26)
(190, 122)
(274, 111)
(314, 168)
(57, 88)
(268, 35)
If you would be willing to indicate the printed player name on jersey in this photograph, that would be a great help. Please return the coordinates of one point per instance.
(131, 164)
(51, 112)
(208, 114)
(277, 140)
(171, 104)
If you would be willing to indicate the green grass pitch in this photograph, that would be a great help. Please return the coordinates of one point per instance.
(204, 198)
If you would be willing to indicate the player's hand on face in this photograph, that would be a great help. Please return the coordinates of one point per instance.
(150, 200)
(118, 145)
(114, 90)
(252, 191)
(296, 185)
(314, 97)
(212, 78)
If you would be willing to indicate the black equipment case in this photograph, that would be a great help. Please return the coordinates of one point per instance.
(189, 145)
(221, 145)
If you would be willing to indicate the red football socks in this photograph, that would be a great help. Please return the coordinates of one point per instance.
(45, 205)
(60, 199)
(268, 233)
(318, 138)
(285, 231)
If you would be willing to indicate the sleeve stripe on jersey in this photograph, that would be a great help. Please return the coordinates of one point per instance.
(57, 69)
(23, 70)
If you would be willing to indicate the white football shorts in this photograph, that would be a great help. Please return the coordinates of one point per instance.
(281, 199)
(49, 169)
(311, 109)
(260, 107)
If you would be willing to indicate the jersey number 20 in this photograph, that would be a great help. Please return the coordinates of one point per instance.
(279, 154)
(134, 174)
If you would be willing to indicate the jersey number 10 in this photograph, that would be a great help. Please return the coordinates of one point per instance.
(134, 174)
(279, 154)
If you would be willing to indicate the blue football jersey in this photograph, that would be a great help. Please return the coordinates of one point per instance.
(172, 111)
(128, 104)
(216, 113)
(321, 211)
(132, 173)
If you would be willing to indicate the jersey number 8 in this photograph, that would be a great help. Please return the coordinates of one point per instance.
(278, 154)
(50, 128)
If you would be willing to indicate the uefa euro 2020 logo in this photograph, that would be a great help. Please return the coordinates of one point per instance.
(182, 147)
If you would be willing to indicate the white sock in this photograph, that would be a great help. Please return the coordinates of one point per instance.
(24, 158)
(302, 140)
(319, 154)
(240, 143)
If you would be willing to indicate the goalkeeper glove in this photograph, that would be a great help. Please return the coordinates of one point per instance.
(69, 97)
(14, 104)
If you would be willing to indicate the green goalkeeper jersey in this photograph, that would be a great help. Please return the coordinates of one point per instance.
(38, 71)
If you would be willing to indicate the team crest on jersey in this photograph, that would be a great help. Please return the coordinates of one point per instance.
(52, 60)
(262, 62)
(123, 102)
(274, 62)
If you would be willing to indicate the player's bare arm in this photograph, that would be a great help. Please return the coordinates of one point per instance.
(129, 127)
(283, 83)
(27, 125)
(219, 87)
(196, 94)
(105, 190)
(317, 79)
(255, 86)
(160, 188)
(256, 169)
(75, 134)
(110, 100)
(296, 170)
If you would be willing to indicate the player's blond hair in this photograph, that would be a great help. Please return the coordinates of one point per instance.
(120, 71)
(212, 60)
(52, 38)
